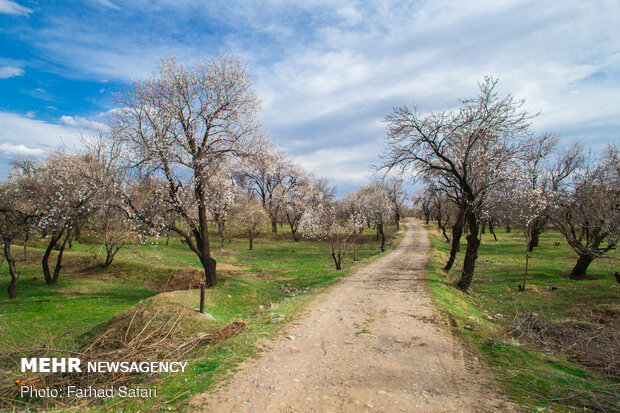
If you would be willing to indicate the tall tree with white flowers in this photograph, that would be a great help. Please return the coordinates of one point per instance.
(178, 128)
(331, 222)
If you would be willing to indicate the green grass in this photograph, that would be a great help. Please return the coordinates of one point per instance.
(483, 318)
(275, 281)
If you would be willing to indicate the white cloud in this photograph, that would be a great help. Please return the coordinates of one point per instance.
(345, 165)
(10, 149)
(431, 54)
(351, 15)
(10, 7)
(81, 123)
(34, 135)
(10, 71)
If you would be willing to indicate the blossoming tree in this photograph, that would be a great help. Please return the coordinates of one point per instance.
(333, 223)
(180, 127)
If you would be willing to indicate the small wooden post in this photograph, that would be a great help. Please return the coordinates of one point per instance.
(202, 298)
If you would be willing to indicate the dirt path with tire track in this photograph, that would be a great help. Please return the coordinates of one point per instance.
(369, 343)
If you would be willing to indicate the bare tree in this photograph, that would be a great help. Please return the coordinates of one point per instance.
(548, 168)
(17, 219)
(334, 223)
(178, 128)
(271, 176)
(537, 153)
(397, 195)
(466, 152)
(101, 157)
(302, 197)
(377, 208)
(442, 210)
(519, 202)
(422, 200)
(221, 193)
(249, 216)
(68, 187)
(114, 231)
(589, 210)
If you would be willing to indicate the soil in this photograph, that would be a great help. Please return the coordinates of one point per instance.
(190, 278)
(372, 342)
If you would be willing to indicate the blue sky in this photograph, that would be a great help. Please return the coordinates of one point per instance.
(328, 71)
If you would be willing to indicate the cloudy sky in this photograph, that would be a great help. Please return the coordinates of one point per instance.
(328, 71)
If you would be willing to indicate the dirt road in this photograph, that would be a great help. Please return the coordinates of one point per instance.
(370, 343)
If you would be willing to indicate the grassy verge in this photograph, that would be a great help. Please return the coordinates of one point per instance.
(265, 288)
(536, 376)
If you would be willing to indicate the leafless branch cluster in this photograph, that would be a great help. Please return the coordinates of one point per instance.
(465, 154)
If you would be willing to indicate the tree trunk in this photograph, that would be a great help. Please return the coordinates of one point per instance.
(537, 228)
(457, 231)
(397, 219)
(12, 270)
(274, 226)
(78, 231)
(56, 235)
(508, 228)
(533, 240)
(221, 229)
(251, 241)
(471, 254)
(492, 230)
(337, 259)
(111, 251)
(293, 231)
(202, 241)
(443, 230)
(579, 271)
(209, 265)
(528, 236)
(108, 260)
(59, 258)
(380, 229)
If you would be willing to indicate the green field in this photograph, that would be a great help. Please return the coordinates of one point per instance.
(529, 369)
(264, 287)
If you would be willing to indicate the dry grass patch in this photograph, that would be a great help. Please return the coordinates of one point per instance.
(162, 328)
(590, 338)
